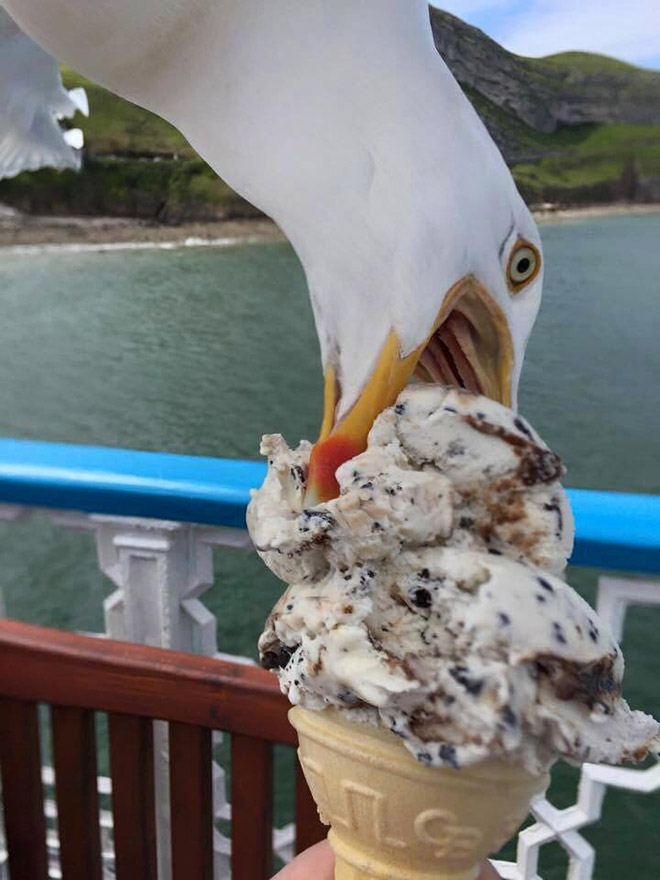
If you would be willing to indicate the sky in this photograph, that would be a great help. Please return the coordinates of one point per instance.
(625, 29)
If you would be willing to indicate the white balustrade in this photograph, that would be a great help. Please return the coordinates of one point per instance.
(615, 595)
(161, 570)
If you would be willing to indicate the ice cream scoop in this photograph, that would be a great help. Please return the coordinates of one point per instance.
(425, 598)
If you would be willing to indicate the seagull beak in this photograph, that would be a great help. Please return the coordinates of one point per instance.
(469, 346)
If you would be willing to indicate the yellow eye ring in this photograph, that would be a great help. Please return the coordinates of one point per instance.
(523, 267)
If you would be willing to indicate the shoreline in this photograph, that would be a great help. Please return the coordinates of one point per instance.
(585, 212)
(25, 234)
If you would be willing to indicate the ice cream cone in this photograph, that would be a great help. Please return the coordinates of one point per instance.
(393, 818)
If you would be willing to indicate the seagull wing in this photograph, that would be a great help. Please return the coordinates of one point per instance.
(32, 99)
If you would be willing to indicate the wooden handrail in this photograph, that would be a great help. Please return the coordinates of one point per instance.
(78, 675)
(38, 664)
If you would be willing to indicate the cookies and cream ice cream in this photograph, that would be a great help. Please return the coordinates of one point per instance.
(426, 597)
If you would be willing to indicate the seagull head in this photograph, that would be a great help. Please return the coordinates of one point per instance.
(434, 275)
(341, 121)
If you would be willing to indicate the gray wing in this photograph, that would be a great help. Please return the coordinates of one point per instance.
(32, 100)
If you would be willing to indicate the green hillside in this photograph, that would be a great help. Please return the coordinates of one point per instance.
(592, 62)
(575, 128)
(121, 128)
(589, 162)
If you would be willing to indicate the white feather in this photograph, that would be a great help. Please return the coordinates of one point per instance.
(32, 99)
(79, 99)
(74, 138)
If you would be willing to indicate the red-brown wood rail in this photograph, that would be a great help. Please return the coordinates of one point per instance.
(78, 676)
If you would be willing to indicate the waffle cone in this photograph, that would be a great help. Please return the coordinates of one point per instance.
(393, 818)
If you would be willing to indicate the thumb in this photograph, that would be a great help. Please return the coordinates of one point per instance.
(316, 863)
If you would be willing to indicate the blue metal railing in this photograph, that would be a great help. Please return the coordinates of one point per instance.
(614, 530)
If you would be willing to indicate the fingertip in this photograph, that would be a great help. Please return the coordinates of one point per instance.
(317, 862)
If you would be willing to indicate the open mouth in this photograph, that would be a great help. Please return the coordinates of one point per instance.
(470, 348)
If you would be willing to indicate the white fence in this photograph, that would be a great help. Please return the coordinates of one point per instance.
(161, 570)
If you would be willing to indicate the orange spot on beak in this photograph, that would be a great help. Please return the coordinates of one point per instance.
(327, 456)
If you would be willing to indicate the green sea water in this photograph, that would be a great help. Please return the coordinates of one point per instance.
(203, 350)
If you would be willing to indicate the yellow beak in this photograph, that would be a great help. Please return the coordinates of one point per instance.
(477, 338)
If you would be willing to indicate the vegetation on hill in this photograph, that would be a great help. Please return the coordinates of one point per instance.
(136, 165)
(117, 127)
(574, 127)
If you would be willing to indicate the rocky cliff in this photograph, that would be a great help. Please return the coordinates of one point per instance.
(566, 89)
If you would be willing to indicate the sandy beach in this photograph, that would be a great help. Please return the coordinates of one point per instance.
(22, 233)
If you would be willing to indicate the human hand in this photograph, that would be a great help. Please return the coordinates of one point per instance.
(318, 863)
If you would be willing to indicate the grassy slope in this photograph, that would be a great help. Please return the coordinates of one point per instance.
(587, 155)
(577, 154)
(592, 62)
(577, 157)
(119, 127)
(584, 156)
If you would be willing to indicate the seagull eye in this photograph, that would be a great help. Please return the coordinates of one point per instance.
(524, 264)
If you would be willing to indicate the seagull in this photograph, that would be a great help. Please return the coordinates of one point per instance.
(32, 101)
(339, 120)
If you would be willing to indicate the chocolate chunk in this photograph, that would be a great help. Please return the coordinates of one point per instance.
(278, 658)
(424, 758)
(505, 620)
(558, 632)
(365, 578)
(545, 585)
(367, 485)
(400, 408)
(508, 716)
(593, 631)
(523, 427)
(539, 466)
(448, 755)
(472, 685)
(348, 698)
(540, 598)
(589, 683)
(554, 507)
(422, 598)
(465, 522)
(321, 515)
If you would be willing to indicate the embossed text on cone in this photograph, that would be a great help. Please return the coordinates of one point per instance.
(393, 818)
